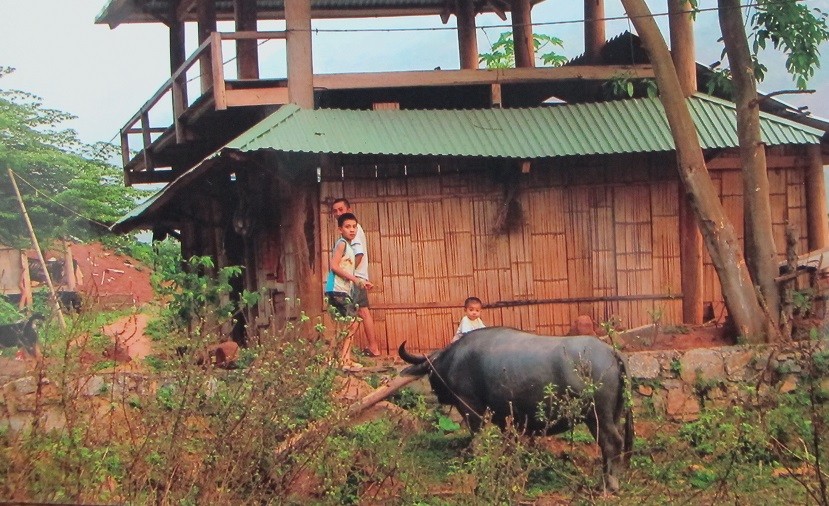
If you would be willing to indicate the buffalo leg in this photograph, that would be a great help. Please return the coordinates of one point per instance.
(611, 443)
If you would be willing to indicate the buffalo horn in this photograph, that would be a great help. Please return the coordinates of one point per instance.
(408, 357)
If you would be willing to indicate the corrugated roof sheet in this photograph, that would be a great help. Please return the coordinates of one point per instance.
(623, 126)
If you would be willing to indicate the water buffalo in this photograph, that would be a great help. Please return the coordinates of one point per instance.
(511, 373)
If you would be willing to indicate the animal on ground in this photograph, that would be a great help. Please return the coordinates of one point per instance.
(509, 374)
(22, 334)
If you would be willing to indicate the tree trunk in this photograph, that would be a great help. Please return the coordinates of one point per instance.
(760, 252)
(720, 238)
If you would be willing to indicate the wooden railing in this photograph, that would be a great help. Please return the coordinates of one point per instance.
(213, 84)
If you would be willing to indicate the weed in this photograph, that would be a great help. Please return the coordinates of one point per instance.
(676, 367)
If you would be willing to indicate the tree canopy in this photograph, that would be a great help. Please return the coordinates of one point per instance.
(69, 188)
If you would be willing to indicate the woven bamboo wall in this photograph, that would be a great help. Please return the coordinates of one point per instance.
(787, 191)
(595, 237)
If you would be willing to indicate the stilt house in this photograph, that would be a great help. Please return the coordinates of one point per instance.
(520, 186)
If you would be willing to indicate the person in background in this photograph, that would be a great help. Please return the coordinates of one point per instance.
(359, 294)
(472, 306)
(339, 285)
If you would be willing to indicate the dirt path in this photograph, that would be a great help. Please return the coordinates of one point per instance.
(128, 333)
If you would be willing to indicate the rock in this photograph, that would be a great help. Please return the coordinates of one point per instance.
(644, 365)
(702, 364)
(583, 326)
(93, 385)
(788, 384)
(737, 363)
(25, 386)
(681, 405)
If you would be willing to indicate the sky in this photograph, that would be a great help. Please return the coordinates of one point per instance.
(104, 76)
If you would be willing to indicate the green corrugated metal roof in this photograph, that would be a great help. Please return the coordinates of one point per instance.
(623, 126)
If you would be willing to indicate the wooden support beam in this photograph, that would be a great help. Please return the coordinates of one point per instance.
(206, 15)
(691, 266)
(594, 29)
(682, 53)
(69, 279)
(256, 96)
(406, 79)
(298, 45)
(147, 138)
(522, 33)
(816, 197)
(25, 283)
(681, 25)
(467, 35)
(218, 74)
(247, 53)
(177, 59)
(495, 100)
(184, 8)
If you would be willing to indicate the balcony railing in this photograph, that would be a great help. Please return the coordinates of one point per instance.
(215, 94)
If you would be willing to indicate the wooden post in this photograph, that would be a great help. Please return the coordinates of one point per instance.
(495, 96)
(690, 251)
(25, 283)
(594, 29)
(206, 15)
(682, 44)
(69, 267)
(682, 53)
(298, 44)
(522, 33)
(247, 55)
(467, 36)
(53, 296)
(816, 197)
(177, 58)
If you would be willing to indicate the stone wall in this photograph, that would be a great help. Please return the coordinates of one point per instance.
(677, 384)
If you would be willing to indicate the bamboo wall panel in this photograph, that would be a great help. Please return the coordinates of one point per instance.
(594, 231)
(579, 248)
(634, 254)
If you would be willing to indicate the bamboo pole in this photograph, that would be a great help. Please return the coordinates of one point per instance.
(53, 298)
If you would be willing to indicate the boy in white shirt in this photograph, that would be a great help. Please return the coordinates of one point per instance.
(472, 320)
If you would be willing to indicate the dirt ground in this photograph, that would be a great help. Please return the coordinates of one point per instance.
(111, 279)
(673, 338)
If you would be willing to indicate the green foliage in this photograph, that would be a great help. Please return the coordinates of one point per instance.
(9, 312)
(794, 28)
(789, 26)
(197, 295)
(446, 424)
(71, 183)
(731, 435)
(676, 367)
(500, 463)
(625, 86)
(503, 51)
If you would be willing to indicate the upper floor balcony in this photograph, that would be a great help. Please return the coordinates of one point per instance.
(218, 91)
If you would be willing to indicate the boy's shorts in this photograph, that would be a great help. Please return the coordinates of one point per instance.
(359, 296)
(342, 303)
